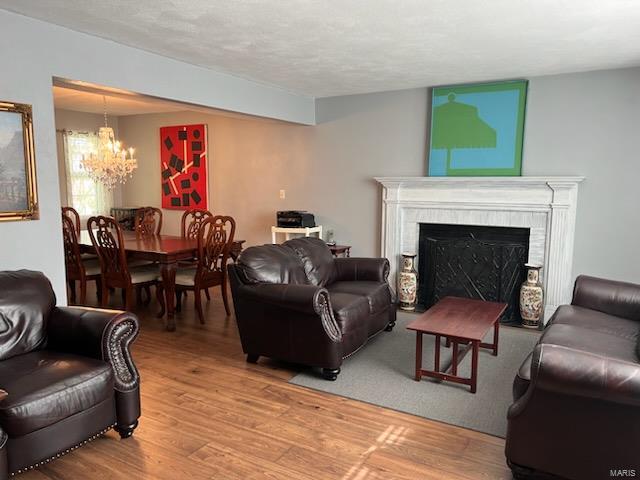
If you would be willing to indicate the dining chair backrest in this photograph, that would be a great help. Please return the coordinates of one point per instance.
(192, 221)
(148, 221)
(74, 216)
(107, 239)
(72, 257)
(215, 239)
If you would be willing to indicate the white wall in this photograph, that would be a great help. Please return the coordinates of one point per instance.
(359, 137)
(588, 124)
(579, 124)
(32, 52)
(78, 122)
(583, 124)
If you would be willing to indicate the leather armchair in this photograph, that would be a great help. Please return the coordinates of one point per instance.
(297, 303)
(576, 410)
(67, 372)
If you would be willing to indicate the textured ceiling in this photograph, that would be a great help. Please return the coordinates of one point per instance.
(92, 102)
(86, 97)
(335, 47)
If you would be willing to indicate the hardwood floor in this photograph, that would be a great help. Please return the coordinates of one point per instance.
(207, 414)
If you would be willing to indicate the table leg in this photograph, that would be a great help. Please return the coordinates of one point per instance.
(454, 358)
(168, 271)
(436, 363)
(474, 366)
(496, 329)
(418, 356)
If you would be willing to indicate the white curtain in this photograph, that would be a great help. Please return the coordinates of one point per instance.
(85, 195)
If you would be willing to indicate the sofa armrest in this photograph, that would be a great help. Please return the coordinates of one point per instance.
(4, 460)
(567, 371)
(608, 296)
(364, 269)
(102, 334)
(308, 299)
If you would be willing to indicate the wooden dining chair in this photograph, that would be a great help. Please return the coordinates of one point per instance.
(215, 238)
(107, 239)
(148, 221)
(73, 215)
(192, 221)
(78, 269)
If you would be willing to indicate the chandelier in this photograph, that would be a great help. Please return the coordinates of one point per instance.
(111, 164)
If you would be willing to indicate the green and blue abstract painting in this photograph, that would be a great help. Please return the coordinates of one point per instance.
(477, 130)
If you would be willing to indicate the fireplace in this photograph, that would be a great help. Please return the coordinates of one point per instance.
(546, 206)
(472, 261)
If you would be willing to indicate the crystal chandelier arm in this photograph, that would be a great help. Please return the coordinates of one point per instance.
(110, 164)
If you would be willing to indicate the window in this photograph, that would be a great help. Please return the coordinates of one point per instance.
(83, 194)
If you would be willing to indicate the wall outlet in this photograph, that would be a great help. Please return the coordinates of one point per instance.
(283, 194)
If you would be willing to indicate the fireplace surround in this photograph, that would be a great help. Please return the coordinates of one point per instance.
(544, 205)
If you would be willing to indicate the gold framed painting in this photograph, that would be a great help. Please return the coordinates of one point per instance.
(18, 193)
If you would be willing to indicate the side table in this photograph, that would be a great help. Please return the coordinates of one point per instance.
(337, 250)
(287, 231)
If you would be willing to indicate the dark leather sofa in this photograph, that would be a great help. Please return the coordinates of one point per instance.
(67, 372)
(296, 302)
(576, 413)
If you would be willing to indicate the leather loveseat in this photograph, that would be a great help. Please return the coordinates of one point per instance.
(66, 373)
(296, 302)
(576, 413)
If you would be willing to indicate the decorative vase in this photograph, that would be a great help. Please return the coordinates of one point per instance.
(532, 298)
(408, 283)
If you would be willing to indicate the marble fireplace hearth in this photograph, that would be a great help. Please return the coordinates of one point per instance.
(544, 205)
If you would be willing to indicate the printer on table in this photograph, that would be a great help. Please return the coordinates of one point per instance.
(295, 219)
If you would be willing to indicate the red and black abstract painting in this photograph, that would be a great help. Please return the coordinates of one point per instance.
(183, 161)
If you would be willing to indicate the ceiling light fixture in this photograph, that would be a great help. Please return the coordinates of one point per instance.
(110, 165)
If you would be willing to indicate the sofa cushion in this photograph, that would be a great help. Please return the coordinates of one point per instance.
(592, 341)
(316, 258)
(587, 330)
(186, 277)
(597, 321)
(352, 314)
(377, 294)
(270, 264)
(26, 300)
(621, 299)
(523, 378)
(45, 387)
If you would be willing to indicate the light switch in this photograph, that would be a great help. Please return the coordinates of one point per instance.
(283, 194)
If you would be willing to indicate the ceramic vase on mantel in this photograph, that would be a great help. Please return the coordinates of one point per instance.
(532, 298)
(408, 283)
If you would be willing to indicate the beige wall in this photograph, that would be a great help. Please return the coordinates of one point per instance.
(249, 162)
(326, 169)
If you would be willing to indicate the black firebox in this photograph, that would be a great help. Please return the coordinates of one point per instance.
(472, 261)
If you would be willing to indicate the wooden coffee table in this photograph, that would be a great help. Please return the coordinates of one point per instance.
(461, 321)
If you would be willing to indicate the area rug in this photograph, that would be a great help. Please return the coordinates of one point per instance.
(382, 373)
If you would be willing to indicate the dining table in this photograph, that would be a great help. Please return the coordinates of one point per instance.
(167, 251)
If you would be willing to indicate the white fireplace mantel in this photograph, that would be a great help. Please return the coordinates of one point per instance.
(544, 205)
